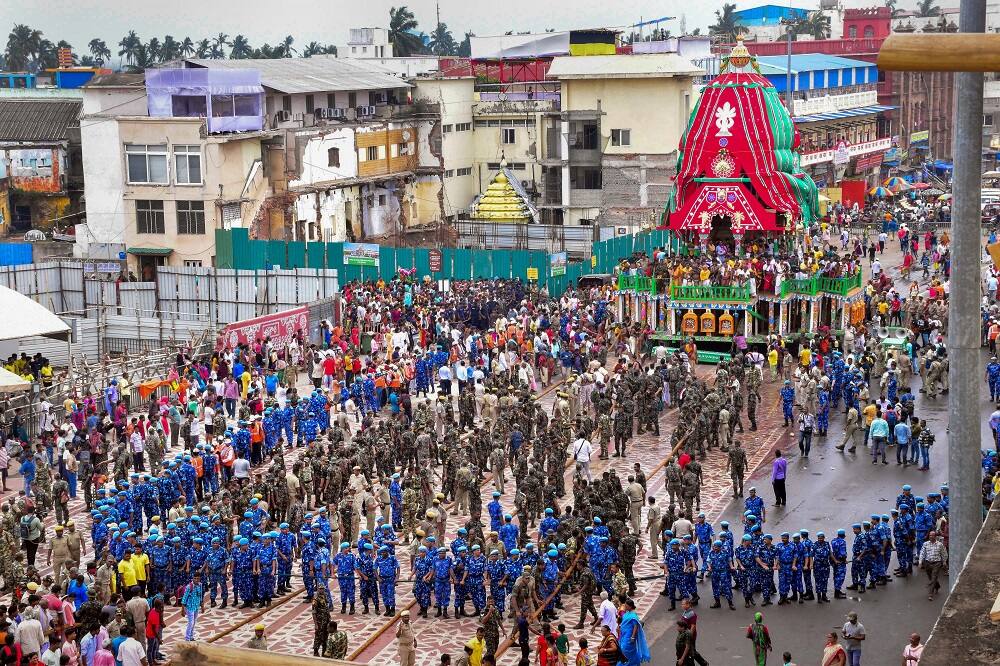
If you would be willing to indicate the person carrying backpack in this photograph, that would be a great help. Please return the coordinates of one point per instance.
(31, 532)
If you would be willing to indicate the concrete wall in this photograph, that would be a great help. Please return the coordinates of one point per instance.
(314, 159)
(455, 99)
(655, 110)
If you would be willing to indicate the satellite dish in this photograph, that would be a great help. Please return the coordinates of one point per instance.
(406, 134)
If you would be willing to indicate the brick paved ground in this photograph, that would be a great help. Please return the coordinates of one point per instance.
(289, 622)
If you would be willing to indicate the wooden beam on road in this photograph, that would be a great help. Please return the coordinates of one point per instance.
(940, 52)
(199, 654)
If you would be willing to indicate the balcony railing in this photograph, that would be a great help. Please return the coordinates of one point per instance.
(700, 292)
(817, 284)
(712, 293)
(819, 156)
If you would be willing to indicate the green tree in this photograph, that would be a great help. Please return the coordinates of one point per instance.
(154, 50)
(48, 56)
(128, 47)
(240, 48)
(171, 48)
(817, 24)
(187, 48)
(23, 45)
(891, 4)
(285, 47)
(442, 41)
(85, 61)
(202, 48)
(63, 44)
(313, 48)
(725, 22)
(926, 8)
(99, 50)
(403, 32)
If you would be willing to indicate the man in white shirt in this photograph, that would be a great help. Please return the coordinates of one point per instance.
(131, 652)
(607, 614)
(52, 653)
(29, 633)
(582, 450)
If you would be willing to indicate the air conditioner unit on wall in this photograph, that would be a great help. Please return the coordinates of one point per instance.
(334, 113)
(282, 116)
(321, 113)
(366, 111)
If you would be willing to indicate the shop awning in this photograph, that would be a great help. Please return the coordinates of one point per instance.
(846, 113)
(151, 251)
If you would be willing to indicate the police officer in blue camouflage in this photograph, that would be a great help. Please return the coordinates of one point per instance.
(241, 565)
(345, 563)
(387, 571)
(476, 578)
(675, 564)
(422, 574)
(838, 559)
(767, 555)
(704, 536)
(858, 561)
(787, 553)
(285, 544)
(441, 576)
(720, 568)
(266, 566)
(787, 401)
(745, 557)
(821, 566)
(217, 565)
(807, 564)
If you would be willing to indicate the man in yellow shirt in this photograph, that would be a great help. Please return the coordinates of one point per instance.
(126, 570)
(869, 412)
(478, 646)
(140, 565)
(805, 356)
(772, 362)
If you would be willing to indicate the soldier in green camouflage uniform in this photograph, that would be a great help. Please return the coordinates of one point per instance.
(321, 620)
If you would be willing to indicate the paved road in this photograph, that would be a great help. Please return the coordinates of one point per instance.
(827, 491)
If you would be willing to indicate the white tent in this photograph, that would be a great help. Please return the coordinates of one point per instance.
(11, 383)
(23, 317)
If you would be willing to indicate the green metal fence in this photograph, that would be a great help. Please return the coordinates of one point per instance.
(234, 249)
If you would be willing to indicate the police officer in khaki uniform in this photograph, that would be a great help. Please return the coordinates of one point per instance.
(59, 555)
(77, 546)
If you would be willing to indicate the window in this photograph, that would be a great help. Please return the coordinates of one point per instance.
(449, 173)
(516, 166)
(585, 178)
(247, 105)
(333, 157)
(402, 149)
(589, 138)
(382, 200)
(352, 99)
(222, 106)
(146, 163)
(310, 103)
(149, 217)
(188, 106)
(988, 120)
(371, 153)
(621, 137)
(463, 127)
(446, 128)
(192, 263)
(190, 217)
(331, 101)
(507, 135)
(869, 32)
(187, 165)
(464, 171)
(286, 103)
(852, 32)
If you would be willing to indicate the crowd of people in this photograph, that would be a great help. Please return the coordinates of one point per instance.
(338, 463)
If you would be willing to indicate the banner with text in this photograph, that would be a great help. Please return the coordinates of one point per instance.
(280, 327)
(361, 254)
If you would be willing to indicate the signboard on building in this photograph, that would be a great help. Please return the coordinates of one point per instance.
(533, 274)
(557, 264)
(280, 327)
(842, 153)
(593, 261)
(361, 254)
(922, 135)
(868, 162)
(436, 261)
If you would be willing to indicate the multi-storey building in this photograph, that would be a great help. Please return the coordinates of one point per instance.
(299, 149)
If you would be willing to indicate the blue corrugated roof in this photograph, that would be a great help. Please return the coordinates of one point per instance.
(846, 113)
(807, 62)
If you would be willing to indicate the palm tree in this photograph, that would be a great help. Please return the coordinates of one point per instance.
(22, 47)
(154, 50)
(85, 61)
(817, 24)
(402, 32)
(47, 57)
(240, 48)
(170, 48)
(893, 12)
(99, 49)
(926, 8)
(442, 41)
(725, 22)
(202, 49)
(219, 41)
(141, 58)
(187, 47)
(265, 51)
(129, 44)
(286, 47)
(311, 49)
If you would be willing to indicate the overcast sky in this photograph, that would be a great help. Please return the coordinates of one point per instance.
(78, 21)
